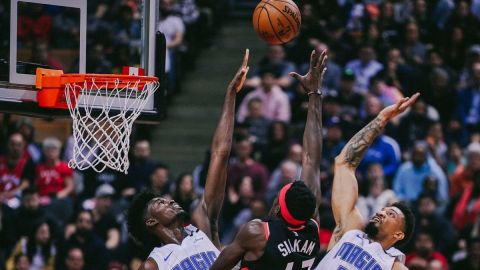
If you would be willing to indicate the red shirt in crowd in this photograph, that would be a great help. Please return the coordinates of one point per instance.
(51, 179)
(11, 178)
(434, 256)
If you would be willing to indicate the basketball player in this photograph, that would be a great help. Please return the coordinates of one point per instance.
(158, 222)
(290, 240)
(354, 246)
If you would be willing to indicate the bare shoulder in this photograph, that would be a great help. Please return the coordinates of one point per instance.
(149, 264)
(252, 235)
(399, 266)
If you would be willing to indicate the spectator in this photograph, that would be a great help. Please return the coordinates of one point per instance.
(473, 254)
(25, 127)
(277, 146)
(468, 103)
(440, 94)
(275, 63)
(256, 210)
(83, 236)
(429, 220)
(411, 175)
(378, 196)
(287, 172)
(239, 198)
(21, 262)
(364, 68)
(333, 143)
(244, 165)
(7, 233)
(173, 28)
(436, 144)
(456, 163)
(30, 213)
(276, 106)
(141, 168)
(16, 168)
(159, 180)
(414, 126)
(387, 94)
(256, 122)
(53, 177)
(424, 253)
(413, 49)
(184, 193)
(463, 178)
(74, 260)
(347, 97)
(38, 247)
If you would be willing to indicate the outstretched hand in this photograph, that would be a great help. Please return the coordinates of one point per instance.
(313, 79)
(395, 109)
(237, 82)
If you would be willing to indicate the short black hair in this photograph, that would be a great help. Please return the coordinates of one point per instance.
(29, 191)
(301, 202)
(409, 226)
(136, 215)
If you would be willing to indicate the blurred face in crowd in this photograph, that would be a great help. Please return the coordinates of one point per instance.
(373, 106)
(424, 245)
(376, 187)
(375, 170)
(473, 161)
(259, 209)
(159, 178)
(186, 184)
(420, 7)
(289, 171)
(84, 222)
(75, 260)
(426, 206)
(276, 54)
(457, 35)
(307, 11)
(142, 150)
(435, 131)
(295, 153)
(455, 152)
(42, 235)
(278, 131)
(366, 54)
(435, 59)
(23, 263)
(387, 9)
(439, 82)
(411, 33)
(26, 131)
(31, 202)
(16, 145)
(334, 133)
(255, 109)
(245, 190)
(52, 153)
(103, 204)
(394, 56)
(419, 156)
(243, 149)
(268, 79)
(435, 265)
(476, 72)
(346, 85)
(166, 6)
(462, 9)
(419, 108)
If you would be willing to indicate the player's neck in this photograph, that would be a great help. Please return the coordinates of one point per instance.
(385, 243)
(173, 234)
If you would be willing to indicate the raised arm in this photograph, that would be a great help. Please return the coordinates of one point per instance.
(206, 214)
(312, 136)
(345, 186)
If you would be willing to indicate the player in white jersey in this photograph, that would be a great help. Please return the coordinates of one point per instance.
(159, 223)
(355, 246)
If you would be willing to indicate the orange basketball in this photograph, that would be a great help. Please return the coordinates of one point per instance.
(277, 21)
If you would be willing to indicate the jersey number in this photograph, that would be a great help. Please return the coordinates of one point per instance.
(308, 264)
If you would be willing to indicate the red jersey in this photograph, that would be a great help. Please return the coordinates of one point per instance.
(10, 178)
(51, 179)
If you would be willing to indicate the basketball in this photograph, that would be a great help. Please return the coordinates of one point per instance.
(276, 21)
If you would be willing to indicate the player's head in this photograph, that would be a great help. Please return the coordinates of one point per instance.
(296, 203)
(394, 223)
(149, 214)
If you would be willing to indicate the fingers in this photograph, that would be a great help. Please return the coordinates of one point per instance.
(313, 59)
(295, 75)
(322, 60)
(245, 58)
(408, 101)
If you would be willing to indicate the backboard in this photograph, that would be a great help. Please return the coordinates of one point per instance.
(76, 36)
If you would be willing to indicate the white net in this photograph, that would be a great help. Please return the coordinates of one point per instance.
(102, 133)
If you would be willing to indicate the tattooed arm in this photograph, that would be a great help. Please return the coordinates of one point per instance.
(345, 186)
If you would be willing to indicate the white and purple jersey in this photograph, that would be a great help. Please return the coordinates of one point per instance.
(196, 252)
(355, 251)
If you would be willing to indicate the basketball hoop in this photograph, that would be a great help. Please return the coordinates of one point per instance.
(101, 133)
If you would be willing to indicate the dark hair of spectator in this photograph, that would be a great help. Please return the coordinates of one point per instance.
(32, 244)
(29, 191)
(409, 220)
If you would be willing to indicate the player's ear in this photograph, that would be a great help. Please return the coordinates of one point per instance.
(399, 235)
(151, 222)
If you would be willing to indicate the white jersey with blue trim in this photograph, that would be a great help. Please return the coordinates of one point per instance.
(196, 252)
(355, 251)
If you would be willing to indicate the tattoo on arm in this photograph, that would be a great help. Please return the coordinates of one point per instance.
(359, 144)
(337, 234)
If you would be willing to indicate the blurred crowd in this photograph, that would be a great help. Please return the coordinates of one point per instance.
(379, 52)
